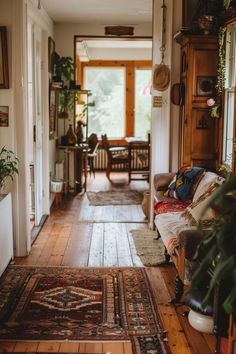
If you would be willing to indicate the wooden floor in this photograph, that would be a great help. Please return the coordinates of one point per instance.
(81, 235)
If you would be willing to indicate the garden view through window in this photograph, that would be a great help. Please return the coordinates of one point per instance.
(108, 88)
(142, 102)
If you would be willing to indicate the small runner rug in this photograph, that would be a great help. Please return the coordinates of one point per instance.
(115, 197)
(60, 303)
(150, 250)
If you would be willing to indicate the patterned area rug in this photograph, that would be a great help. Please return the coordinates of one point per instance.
(150, 250)
(60, 303)
(115, 197)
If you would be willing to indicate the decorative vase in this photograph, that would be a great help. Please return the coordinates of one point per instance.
(71, 136)
(146, 203)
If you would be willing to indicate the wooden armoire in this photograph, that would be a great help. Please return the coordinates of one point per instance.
(198, 130)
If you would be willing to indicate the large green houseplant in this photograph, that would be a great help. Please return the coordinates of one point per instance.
(63, 68)
(8, 166)
(218, 248)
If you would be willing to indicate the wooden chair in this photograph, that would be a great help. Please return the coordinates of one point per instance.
(93, 144)
(117, 157)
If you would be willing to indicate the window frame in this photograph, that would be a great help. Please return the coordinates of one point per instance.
(230, 83)
(130, 66)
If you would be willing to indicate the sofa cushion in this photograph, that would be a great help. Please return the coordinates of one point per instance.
(185, 184)
(194, 212)
(204, 184)
(169, 225)
(170, 205)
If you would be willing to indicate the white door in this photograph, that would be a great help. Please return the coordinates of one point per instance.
(38, 130)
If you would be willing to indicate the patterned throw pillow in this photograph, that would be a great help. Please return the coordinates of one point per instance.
(194, 212)
(185, 184)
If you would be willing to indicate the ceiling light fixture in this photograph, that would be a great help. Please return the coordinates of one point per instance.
(82, 51)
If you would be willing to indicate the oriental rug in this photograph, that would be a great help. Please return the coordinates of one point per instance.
(150, 250)
(60, 303)
(121, 197)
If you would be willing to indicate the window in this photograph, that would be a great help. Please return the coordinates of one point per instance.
(108, 92)
(121, 92)
(229, 123)
(142, 102)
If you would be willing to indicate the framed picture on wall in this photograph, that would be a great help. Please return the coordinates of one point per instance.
(52, 112)
(190, 9)
(4, 116)
(4, 74)
(51, 50)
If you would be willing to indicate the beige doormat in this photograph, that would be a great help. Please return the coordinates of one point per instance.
(122, 197)
(150, 251)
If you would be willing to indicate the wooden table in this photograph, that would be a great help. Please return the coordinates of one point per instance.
(79, 161)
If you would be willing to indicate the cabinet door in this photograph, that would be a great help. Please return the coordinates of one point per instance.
(198, 135)
(203, 138)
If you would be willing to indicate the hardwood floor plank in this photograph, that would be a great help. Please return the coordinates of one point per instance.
(123, 247)
(113, 348)
(71, 347)
(49, 347)
(95, 348)
(128, 348)
(96, 255)
(82, 348)
(110, 247)
(7, 347)
(77, 250)
(26, 347)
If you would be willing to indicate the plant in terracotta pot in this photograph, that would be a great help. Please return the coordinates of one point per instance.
(8, 166)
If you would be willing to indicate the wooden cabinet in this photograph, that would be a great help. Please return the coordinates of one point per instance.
(198, 130)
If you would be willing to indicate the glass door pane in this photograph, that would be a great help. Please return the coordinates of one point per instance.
(143, 101)
(107, 86)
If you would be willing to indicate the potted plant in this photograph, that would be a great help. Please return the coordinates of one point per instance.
(63, 68)
(56, 184)
(8, 166)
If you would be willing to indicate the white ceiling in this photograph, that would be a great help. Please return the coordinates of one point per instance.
(105, 12)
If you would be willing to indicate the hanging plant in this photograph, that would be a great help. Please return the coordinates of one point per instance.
(221, 66)
(215, 103)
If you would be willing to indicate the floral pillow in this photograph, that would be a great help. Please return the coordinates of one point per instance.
(185, 184)
(194, 212)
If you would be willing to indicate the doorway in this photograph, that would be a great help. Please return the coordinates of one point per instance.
(35, 141)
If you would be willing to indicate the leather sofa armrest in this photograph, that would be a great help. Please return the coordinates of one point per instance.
(188, 242)
(162, 180)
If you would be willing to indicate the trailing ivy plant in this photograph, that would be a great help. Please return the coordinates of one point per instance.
(229, 3)
(215, 104)
(8, 166)
(218, 247)
(221, 66)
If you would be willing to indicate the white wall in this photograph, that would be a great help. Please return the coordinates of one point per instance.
(120, 53)
(13, 14)
(64, 34)
(165, 131)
